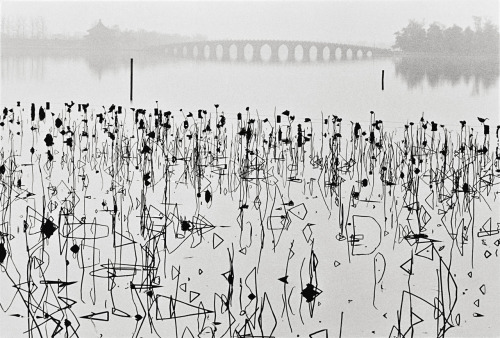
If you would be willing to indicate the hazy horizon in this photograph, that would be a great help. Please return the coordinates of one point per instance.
(155, 185)
(373, 22)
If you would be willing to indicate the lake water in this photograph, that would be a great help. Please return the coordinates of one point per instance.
(445, 90)
(114, 205)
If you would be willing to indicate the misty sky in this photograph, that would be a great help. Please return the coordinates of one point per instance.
(335, 21)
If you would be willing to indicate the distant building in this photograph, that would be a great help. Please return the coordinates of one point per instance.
(101, 35)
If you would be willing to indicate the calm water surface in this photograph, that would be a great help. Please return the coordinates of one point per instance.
(445, 90)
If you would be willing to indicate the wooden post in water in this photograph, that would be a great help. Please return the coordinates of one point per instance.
(131, 78)
(382, 80)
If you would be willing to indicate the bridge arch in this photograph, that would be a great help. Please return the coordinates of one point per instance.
(338, 53)
(298, 53)
(206, 51)
(266, 52)
(348, 54)
(313, 53)
(196, 52)
(248, 52)
(219, 51)
(369, 54)
(283, 52)
(326, 53)
(359, 54)
(233, 52)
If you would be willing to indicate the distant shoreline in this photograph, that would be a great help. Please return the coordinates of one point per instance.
(66, 45)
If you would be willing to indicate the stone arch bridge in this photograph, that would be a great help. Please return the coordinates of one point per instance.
(269, 50)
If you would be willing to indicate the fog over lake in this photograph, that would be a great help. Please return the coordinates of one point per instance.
(249, 169)
(447, 89)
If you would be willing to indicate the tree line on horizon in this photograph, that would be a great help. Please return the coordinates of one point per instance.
(22, 29)
(439, 39)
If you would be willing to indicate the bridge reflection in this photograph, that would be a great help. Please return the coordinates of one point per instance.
(269, 51)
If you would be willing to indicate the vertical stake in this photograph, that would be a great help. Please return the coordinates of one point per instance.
(382, 79)
(131, 77)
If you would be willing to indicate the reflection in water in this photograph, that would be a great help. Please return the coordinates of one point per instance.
(101, 63)
(483, 71)
(413, 70)
(22, 67)
(17, 64)
(305, 87)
